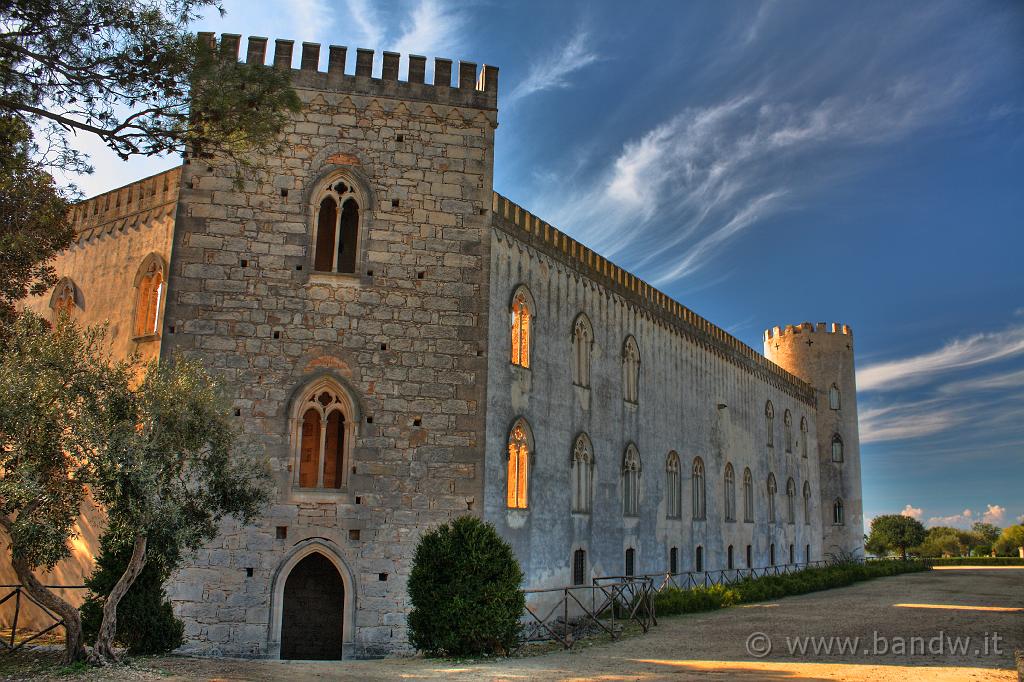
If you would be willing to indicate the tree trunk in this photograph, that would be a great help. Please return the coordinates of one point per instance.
(74, 647)
(103, 651)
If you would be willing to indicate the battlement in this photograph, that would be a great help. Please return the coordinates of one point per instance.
(808, 328)
(478, 90)
(531, 229)
(147, 199)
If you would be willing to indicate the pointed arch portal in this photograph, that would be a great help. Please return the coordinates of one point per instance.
(313, 608)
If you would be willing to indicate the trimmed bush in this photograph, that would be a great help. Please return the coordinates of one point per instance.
(976, 561)
(145, 621)
(465, 591)
(674, 601)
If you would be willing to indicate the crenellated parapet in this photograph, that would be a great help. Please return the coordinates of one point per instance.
(808, 328)
(142, 201)
(530, 229)
(473, 87)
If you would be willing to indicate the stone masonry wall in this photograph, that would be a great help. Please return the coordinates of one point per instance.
(406, 335)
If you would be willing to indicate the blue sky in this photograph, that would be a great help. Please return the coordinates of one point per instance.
(768, 164)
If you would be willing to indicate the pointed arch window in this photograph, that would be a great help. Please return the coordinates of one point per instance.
(772, 489)
(522, 318)
(769, 424)
(803, 437)
(807, 502)
(337, 228)
(630, 370)
(838, 513)
(630, 561)
(791, 501)
(149, 291)
(837, 448)
(699, 502)
(833, 397)
(673, 486)
(582, 474)
(582, 343)
(787, 421)
(324, 426)
(698, 559)
(730, 493)
(64, 299)
(748, 496)
(631, 481)
(579, 567)
(520, 445)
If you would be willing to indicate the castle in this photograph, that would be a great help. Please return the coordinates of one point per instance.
(406, 345)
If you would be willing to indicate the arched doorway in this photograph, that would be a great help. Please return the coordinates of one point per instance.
(312, 614)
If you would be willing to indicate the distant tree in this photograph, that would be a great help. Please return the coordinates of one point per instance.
(1011, 541)
(987, 533)
(892, 532)
(33, 218)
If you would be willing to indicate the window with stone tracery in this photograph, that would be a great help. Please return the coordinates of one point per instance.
(520, 441)
(522, 311)
(631, 481)
(325, 424)
(673, 486)
(582, 474)
(837, 448)
(630, 371)
(748, 496)
(807, 502)
(803, 436)
(838, 513)
(772, 489)
(337, 229)
(769, 424)
(791, 501)
(582, 341)
(730, 493)
(787, 421)
(149, 297)
(699, 502)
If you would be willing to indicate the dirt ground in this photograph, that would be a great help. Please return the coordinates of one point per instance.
(986, 605)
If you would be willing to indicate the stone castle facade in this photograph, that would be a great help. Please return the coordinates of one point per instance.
(406, 345)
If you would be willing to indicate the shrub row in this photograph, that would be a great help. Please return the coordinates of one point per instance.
(673, 600)
(976, 561)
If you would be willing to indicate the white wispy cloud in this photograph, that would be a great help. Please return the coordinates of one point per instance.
(994, 514)
(912, 512)
(311, 15)
(553, 71)
(368, 29)
(903, 420)
(970, 351)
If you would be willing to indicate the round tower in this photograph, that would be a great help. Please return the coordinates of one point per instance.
(822, 355)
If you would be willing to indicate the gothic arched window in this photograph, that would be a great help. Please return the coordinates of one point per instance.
(325, 422)
(674, 507)
(833, 397)
(699, 503)
(520, 445)
(769, 424)
(807, 502)
(582, 474)
(522, 314)
(787, 420)
(630, 370)
(791, 501)
(748, 496)
(631, 481)
(582, 341)
(149, 285)
(337, 228)
(838, 515)
(730, 493)
(803, 436)
(772, 489)
(837, 448)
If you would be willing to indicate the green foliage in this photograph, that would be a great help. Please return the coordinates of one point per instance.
(975, 561)
(1010, 540)
(945, 541)
(133, 73)
(146, 624)
(894, 532)
(465, 591)
(674, 601)
(987, 532)
(33, 219)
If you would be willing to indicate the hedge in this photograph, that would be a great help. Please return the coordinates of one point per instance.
(975, 561)
(672, 601)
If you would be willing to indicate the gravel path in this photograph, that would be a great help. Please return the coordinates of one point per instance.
(985, 605)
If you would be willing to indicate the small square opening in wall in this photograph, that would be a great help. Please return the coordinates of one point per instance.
(248, 572)
(383, 346)
(284, 193)
(394, 203)
(170, 330)
(382, 577)
(421, 275)
(417, 422)
(483, 211)
(281, 533)
(369, 273)
(277, 334)
(353, 534)
(298, 268)
(400, 138)
(359, 500)
(238, 412)
(209, 169)
(244, 263)
(369, 420)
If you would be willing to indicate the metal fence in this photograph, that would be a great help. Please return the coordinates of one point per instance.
(18, 593)
(730, 576)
